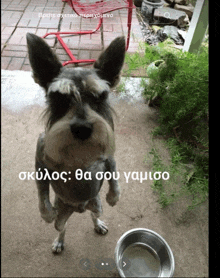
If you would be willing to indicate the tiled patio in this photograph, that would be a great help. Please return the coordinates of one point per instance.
(22, 16)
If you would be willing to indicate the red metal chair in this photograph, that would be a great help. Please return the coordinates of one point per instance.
(87, 9)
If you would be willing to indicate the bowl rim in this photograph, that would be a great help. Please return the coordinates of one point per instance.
(170, 253)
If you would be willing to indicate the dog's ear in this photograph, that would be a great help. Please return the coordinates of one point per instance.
(44, 62)
(110, 62)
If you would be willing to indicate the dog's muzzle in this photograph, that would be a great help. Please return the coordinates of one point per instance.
(81, 129)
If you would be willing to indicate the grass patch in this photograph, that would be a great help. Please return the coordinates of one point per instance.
(186, 179)
(180, 86)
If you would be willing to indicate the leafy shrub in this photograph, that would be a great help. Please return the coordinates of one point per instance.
(181, 84)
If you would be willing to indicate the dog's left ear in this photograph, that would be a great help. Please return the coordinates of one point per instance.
(110, 62)
(43, 60)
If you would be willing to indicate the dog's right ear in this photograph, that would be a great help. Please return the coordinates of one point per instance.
(43, 60)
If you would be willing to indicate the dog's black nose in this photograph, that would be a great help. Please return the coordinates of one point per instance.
(81, 129)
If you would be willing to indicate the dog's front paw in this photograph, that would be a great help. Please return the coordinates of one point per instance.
(48, 214)
(113, 197)
(57, 246)
(101, 227)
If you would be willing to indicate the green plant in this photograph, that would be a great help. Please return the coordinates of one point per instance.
(167, 194)
(186, 179)
(181, 85)
(151, 53)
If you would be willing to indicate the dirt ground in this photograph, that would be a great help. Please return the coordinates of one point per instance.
(27, 239)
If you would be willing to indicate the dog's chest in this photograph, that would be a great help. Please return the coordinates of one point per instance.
(72, 193)
(72, 186)
(80, 185)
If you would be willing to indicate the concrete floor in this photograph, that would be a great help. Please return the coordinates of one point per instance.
(27, 239)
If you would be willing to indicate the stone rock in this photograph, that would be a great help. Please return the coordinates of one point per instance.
(182, 34)
(171, 32)
(167, 15)
(180, 2)
(189, 9)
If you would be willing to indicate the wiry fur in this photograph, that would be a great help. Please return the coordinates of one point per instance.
(79, 133)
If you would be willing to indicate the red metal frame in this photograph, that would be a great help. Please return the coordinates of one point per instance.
(89, 10)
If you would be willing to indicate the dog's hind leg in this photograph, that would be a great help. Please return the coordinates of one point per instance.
(96, 210)
(99, 226)
(58, 244)
(64, 211)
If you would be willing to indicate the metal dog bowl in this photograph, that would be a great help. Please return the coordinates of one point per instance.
(143, 253)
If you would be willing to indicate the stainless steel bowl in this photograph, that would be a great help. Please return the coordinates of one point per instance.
(143, 253)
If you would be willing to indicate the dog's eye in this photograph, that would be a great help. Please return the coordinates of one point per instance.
(59, 101)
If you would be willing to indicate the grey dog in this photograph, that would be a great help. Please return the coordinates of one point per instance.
(79, 134)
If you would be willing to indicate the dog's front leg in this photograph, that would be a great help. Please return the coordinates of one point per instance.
(95, 206)
(48, 212)
(113, 194)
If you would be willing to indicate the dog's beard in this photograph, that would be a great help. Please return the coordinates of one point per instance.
(62, 148)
